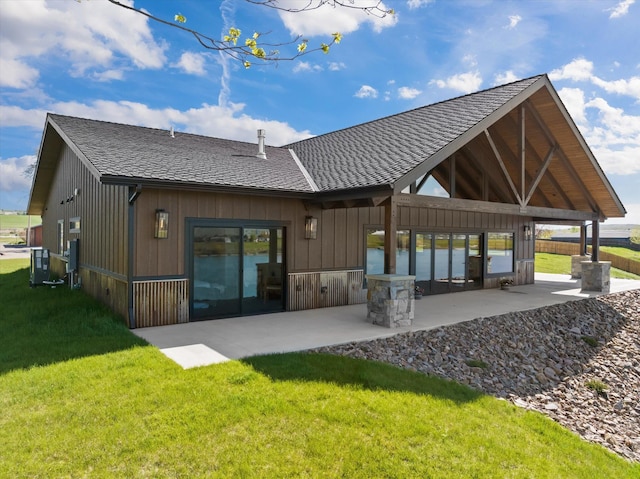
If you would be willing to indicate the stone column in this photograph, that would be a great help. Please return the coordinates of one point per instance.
(576, 265)
(391, 299)
(596, 276)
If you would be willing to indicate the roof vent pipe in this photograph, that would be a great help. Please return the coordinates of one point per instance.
(171, 133)
(261, 153)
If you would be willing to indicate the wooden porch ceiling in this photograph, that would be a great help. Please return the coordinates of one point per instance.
(532, 157)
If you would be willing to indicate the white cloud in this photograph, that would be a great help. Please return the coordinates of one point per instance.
(407, 93)
(463, 82)
(621, 9)
(192, 63)
(218, 121)
(418, 3)
(306, 67)
(577, 70)
(630, 87)
(92, 36)
(326, 19)
(12, 173)
(618, 162)
(573, 99)
(513, 21)
(581, 69)
(336, 66)
(504, 78)
(366, 91)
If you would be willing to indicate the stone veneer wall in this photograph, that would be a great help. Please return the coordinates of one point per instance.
(596, 276)
(576, 265)
(391, 300)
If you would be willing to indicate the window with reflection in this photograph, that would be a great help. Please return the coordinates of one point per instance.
(500, 253)
(375, 251)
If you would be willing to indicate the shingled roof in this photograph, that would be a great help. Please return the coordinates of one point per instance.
(483, 131)
(125, 154)
(382, 151)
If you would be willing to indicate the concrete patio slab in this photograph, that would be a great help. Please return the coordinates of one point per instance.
(207, 342)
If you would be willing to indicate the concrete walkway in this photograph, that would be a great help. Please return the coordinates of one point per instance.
(208, 342)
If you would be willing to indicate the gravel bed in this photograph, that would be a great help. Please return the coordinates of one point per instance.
(577, 362)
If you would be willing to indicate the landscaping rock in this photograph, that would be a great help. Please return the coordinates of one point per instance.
(539, 360)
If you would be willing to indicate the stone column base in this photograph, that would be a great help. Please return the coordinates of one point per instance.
(596, 276)
(391, 300)
(576, 265)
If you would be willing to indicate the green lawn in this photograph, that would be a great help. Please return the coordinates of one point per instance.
(10, 222)
(623, 252)
(83, 397)
(561, 264)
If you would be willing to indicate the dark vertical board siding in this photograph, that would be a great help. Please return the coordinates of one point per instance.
(340, 239)
(326, 240)
(353, 234)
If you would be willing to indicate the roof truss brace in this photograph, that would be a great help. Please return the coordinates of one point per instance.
(550, 176)
(489, 178)
(545, 165)
(504, 168)
(563, 157)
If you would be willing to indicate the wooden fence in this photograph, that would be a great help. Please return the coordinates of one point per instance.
(558, 247)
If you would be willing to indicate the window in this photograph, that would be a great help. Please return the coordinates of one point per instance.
(500, 253)
(60, 236)
(375, 252)
(74, 225)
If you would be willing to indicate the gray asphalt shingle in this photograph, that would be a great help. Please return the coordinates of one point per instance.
(376, 153)
(152, 154)
(381, 151)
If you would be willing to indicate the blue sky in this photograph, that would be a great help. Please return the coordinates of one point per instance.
(92, 59)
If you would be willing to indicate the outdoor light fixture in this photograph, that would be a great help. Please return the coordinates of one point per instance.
(527, 232)
(310, 227)
(162, 224)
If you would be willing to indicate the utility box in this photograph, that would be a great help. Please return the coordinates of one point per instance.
(74, 255)
(39, 272)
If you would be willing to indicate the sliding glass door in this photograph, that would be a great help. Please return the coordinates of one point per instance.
(448, 262)
(235, 270)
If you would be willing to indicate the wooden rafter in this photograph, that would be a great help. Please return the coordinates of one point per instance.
(504, 168)
(549, 176)
(545, 165)
(565, 161)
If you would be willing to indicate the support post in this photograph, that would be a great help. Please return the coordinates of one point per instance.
(390, 235)
(595, 241)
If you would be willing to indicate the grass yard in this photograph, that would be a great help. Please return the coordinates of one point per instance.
(11, 222)
(83, 397)
(561, 264)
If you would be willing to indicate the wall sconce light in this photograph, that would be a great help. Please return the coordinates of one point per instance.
(162, 224)
(310, 227)
(527, 232)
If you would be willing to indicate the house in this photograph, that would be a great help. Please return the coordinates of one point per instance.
(168, 227)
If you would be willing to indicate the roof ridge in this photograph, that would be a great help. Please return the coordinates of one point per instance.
(536, 77)
(54, 115)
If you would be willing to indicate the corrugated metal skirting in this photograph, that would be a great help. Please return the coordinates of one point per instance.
(325, 289)
(162, 302)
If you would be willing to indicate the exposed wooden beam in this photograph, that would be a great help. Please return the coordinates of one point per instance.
(565, 161)
(452, 176)
(457, 204)
(545, 165)
(423, 181)
(549, 176)
(489, 176)
(522, 143)
(390, 234)
(503, 167)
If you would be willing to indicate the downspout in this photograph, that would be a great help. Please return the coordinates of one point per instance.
(133, 196)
